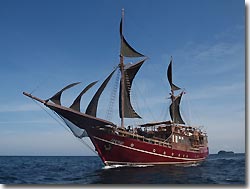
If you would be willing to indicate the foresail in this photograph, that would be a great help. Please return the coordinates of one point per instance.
(57, 97)
(126, 50)
(92, 107)
(129, 73)
(174, 110)
(169, 73)
(79, 119)
(76, 103)
(78, 132)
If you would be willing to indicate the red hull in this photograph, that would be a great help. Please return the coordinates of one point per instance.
(115, 149)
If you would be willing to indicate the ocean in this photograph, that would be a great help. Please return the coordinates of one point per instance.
(216, 169)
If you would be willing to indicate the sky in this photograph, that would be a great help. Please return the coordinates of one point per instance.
(46, 45)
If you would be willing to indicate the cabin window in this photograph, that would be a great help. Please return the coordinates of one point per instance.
(173, 138)
(182, 140)
(176, 139)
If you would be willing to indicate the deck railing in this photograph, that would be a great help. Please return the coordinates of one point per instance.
(142, 138)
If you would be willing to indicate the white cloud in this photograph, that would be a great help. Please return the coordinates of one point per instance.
(218, 91)
(219, 55)
(215, 51)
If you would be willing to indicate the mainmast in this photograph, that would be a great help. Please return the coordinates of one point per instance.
(122, 75)
(128, 73)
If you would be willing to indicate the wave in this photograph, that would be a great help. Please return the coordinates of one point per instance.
(119, 166)
(188, 165)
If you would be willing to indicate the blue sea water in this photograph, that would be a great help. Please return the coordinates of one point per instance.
(217, 169)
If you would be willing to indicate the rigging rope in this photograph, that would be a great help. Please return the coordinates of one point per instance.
(113, 95)
(63, 125)
(134, 100)
(187, 115)
(145, 102)
(42, 82)
(165, 110)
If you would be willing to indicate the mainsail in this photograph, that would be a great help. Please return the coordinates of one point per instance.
(126, 49)
(128, 73)
(130, 70)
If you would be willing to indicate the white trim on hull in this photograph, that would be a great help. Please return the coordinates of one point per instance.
(108, 163)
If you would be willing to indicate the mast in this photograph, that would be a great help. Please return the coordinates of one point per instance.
(122, 78)
(172, 92)
(175, 105)
(128, 73)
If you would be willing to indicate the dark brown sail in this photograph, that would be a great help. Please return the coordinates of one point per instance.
(79, 119)
(169, 72)
(92, 107)
(77, 132)
(129, 73)
(126, 49)
(174, 110)
(76, 103)
(57, 97)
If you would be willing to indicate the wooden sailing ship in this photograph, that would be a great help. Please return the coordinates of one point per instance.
(163, 142)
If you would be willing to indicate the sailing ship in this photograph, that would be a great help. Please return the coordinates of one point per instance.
(153, 143)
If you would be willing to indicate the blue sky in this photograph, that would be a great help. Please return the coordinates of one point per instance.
(45, 45)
